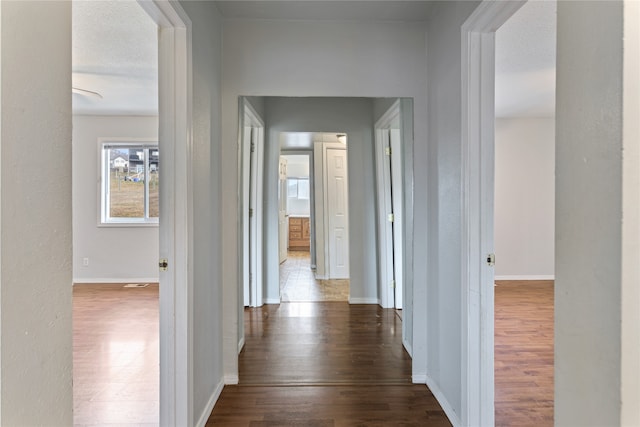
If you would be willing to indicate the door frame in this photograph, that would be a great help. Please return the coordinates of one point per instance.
(388, 254)
(249, 117)
(478, 121)
(175, 94)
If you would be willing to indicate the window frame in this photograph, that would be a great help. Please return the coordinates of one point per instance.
(104, 170)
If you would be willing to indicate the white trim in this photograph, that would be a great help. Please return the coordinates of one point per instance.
(109, 280)
(526, 277)
(272, 300)
(206, 413)
(231, 379)
(364, 300)
(454, 418)
(478, 121)
(419, 379)
(240, 344)
(175, 99)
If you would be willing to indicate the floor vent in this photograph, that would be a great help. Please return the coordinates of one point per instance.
(136, 285)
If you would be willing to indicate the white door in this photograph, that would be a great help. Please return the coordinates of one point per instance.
(338, 215)
(246, 186)
(254, 297)
(396, 199)
(282, 210)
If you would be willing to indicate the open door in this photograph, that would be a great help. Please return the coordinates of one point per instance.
(252, 209)
(282, 210)
(390, 208)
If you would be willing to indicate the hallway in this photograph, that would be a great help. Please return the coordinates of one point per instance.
(325, 364)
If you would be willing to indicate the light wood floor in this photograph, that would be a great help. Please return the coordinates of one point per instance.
(115, 355)
(524, 353)
(116, 363)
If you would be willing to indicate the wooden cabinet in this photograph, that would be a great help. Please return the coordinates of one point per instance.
(299, 232)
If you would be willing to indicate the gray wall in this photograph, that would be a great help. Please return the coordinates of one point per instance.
(35, 293)
(294, 58)
(116, 254)
(207, 296)
(524, 198)
(588, 214)
(352, 116)
(443, 213)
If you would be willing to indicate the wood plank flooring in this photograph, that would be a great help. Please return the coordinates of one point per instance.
(325, 364)
(115, 355)
(301, 365)
(524, 353)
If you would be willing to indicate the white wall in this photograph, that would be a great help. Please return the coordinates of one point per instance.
(35, 293)
(589, 216)
(524, 198)
(442, 157)
(116, 254)
(305, 58)
(207, 337)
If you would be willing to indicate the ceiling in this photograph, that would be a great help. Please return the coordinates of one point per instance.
(115, 49)
(526, 62)
(114, 53)
(334, 10)
(305, 140)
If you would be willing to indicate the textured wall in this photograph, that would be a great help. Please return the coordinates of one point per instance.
(36, 241)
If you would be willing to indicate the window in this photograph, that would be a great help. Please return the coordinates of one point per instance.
(130, 183)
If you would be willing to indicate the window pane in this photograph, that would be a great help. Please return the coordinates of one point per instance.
(292, 187)
(126, 184)
(303, 189)
(154, 183)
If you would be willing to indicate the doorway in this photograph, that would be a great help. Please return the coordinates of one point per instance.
(115, 223)
(524, 215)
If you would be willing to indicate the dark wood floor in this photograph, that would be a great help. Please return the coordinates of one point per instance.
(524, 353)
(328, 370)
(325, 364)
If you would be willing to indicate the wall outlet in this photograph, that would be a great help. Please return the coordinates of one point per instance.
(85, 262)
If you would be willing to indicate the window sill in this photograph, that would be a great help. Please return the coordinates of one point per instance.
(128, 224)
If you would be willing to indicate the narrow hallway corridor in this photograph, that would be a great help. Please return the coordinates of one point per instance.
(325, 364)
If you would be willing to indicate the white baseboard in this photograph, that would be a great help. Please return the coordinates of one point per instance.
(118, 280)
(419, 378)
(444, 403)
(240, 345)
(364, 301)
(272, 301)
(206, 413)
(231, 379)
(525, 277)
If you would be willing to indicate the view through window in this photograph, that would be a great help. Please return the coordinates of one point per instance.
(130, 183)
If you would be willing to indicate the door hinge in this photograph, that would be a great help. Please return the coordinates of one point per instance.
(390, 217)
(491, 260)
(392, 284)
(250, 212)
(253, 147)
(387, 151)
(163, 264)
